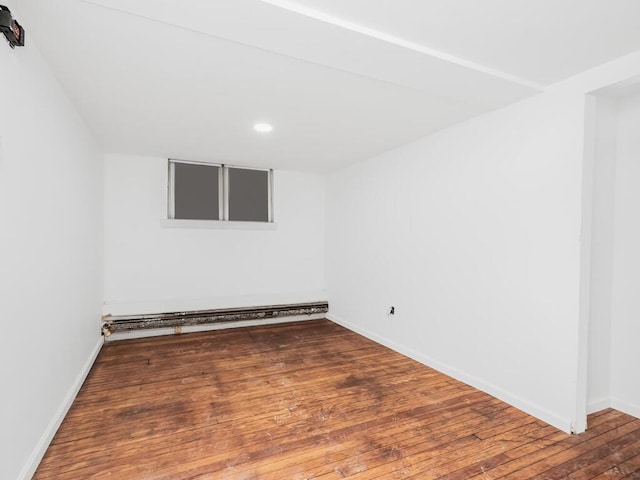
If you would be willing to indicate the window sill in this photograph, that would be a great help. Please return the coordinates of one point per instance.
(217, 224)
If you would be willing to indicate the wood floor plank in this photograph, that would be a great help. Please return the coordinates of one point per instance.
(390, 440)
(616, 457)
(525, 460)
(615, 442)
(309, 400)
(628, 469)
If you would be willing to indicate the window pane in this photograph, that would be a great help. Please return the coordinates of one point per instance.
(196, 193)
(248, 195)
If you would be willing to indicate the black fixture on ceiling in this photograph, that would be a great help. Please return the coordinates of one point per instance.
(11, 29)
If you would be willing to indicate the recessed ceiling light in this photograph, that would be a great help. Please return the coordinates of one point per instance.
(263, 127)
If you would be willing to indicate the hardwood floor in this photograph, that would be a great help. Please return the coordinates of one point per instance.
(309, 400)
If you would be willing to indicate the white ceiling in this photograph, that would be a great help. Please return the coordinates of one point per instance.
(542, 41)
(340, 80)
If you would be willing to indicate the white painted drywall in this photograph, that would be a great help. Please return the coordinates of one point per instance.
(473, 234)
(50, 255)
(598, 395)
(625, 327)
(152, 268)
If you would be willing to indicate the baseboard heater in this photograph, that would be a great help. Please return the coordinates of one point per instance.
(127, 323)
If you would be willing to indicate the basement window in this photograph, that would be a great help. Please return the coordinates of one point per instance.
(205, 191)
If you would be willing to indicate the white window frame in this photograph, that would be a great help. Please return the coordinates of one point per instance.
(223, 196)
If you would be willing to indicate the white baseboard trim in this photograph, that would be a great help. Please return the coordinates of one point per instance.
(541, 413)
(626, 407)
(41, 447)
(158, 332)
(596, 405)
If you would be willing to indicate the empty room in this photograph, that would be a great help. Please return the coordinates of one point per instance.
(319, 239)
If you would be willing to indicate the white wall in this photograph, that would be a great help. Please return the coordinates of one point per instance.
(615, 261)
(473, 234)
(625, 327)
(151, 268)
(598, 396)
(50, 255)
